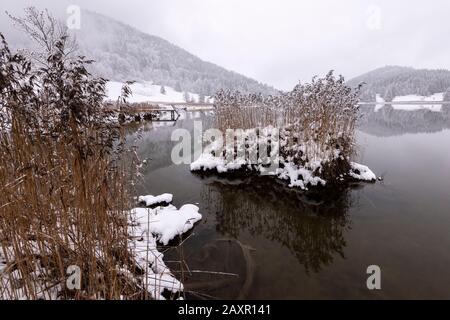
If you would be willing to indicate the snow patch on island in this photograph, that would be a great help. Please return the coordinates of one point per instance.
(165, 223)
(297, 176)
(361, 172)
(152, 200)
(301, 176)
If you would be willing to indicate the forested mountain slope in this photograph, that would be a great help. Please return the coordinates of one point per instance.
(393, 81)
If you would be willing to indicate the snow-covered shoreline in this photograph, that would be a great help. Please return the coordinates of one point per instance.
(150, 92)
(413, 102)
(303, 177)
(296, 176)
(159, 225)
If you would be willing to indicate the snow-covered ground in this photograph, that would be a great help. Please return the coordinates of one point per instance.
(165, 223)
(398, 105)
(148, 92)
(437, 97)
(162, 225)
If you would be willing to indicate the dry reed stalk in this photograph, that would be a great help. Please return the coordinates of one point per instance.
(64, 209)
(65, 184)
(315, 119)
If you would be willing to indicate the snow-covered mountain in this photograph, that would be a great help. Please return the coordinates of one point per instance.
(394, 81)
(123, 53)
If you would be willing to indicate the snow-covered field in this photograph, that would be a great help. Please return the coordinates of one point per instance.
(398, 105)
(148, 92)
(438, 97)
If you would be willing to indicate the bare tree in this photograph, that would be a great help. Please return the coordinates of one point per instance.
(46, 31)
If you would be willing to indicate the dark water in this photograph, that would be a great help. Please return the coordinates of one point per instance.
(284, 244)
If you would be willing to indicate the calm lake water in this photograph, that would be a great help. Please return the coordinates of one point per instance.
(284, 244)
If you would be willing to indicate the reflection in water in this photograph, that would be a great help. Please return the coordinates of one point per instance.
(268, 235)
(236, 213)
(228, 268)
(154, 138)
(388, 121)
(311, 227)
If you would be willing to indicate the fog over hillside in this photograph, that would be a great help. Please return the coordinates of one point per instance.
(124, 53)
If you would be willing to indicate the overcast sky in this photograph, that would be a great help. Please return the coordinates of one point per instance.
(282, 41)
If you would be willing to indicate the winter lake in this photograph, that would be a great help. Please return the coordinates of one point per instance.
(277, 243)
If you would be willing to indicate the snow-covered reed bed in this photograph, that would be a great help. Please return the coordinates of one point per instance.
(315, 133)
(68, 229)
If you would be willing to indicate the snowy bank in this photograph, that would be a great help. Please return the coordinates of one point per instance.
(165, 223)
(361, 172)
(413, 102)
(159, 225)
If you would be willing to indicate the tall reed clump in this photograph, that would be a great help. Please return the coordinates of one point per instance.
(64, 183)
(316, 121)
